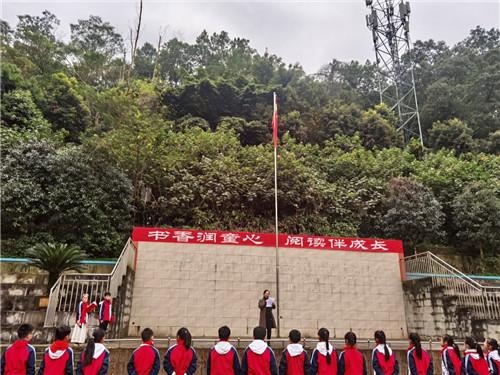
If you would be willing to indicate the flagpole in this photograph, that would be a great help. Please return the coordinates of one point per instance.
(276, 220)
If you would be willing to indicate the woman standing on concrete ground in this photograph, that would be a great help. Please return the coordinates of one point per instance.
(266, 319)
(83, 309)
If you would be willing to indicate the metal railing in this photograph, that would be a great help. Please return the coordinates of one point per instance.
(68, 289)
(483, 301)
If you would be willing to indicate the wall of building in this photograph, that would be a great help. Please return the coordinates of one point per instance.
(206, 286)
(432, 314)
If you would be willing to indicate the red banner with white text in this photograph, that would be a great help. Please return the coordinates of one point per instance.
(296, 241)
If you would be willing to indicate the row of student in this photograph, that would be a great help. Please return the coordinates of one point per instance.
(258, 358)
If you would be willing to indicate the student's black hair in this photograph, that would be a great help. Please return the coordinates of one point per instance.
(493, 343)
(259, 333)
(265, 290)
(62, 332)
(147, 334)
(294, 336)
(415, 339)
(224, 333)
(97, 337)
(451, 342)
(380, 338)
(324, 335)
(350, 338)
(24, 330)
(471, 343)
(184, 334)
(107, 294)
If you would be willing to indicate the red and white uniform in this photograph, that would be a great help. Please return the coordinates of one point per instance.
(319, 364)
(180, 360)
(57, 359)
(381, 366)
(105, 314)
(494, 362)
(352, 362)
(419, 366)
(258, 359)
(474, 364)
(294, 361)
(145, 360)
(450, 362)
(223, 360)
(99, 364)
(18, 359)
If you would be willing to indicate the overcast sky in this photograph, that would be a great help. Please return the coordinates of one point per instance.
(309, 32)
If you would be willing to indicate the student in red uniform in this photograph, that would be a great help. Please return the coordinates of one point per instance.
(19, 358)
(294, 359)
(105, 312)
(324, 357)
(351, 360)
(95, 359)
(493, 357)
(383, 360)
(419, 361)
(58, 357)
(180, 359)
(474, 362)
(451, 364)
(83, 309)
(223, 357)
(145, 360)
(258, 358)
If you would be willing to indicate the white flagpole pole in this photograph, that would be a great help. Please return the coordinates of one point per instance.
(276, 225)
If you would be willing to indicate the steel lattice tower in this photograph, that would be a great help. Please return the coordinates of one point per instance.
(390, 28)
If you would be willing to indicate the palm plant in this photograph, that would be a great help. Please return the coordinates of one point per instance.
(56, 258)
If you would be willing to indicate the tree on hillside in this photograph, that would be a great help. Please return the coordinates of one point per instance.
(412, 213)
(452, 134)
(476, 215)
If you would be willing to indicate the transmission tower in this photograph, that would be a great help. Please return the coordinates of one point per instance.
(390, 28)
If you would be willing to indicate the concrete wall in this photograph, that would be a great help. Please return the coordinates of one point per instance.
(22, 287)
(205, 286)
(432, 314)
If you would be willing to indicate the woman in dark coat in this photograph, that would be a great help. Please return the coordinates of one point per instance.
(266, 319)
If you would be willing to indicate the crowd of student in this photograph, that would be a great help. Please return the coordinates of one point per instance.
(257, 359)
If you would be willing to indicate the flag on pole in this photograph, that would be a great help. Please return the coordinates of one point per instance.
(275, 121)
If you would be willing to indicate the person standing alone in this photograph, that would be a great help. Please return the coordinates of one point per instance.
(266, 319)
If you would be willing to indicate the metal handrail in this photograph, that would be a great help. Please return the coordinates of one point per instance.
(63, 295)
(483, 301)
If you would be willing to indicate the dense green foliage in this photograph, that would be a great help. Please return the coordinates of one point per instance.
(56, 259)
(88, 152)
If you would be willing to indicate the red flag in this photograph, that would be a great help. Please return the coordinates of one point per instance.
(275, 121)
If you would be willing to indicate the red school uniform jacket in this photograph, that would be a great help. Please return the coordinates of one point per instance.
(381, 366)
(223, 360)
(294, 361)
(474, 364)
(494, 362)
(450, 362)
(351, 362)
(82, 311)
(99, 364)
(319, 361)
(180, 360)
(145, 360)
(419, 366)
(258, 359)
(57, 359)
(105, 314)
(18, 359)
